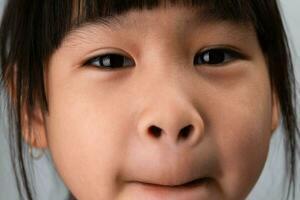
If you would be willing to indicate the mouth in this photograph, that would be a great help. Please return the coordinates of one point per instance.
(192, 190)
(190, 184)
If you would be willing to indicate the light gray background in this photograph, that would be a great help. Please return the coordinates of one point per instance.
(268, 187)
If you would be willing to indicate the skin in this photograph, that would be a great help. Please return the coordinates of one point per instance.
(97, 128)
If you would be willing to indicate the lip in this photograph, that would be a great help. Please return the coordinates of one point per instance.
(189, 184)
(192, 190)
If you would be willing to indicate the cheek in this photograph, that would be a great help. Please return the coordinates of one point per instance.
(241, 131)
(85, 141)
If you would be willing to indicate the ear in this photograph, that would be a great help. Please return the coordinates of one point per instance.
(33, 129)
(275, 111)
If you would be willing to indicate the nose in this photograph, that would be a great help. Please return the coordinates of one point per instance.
(175, 121)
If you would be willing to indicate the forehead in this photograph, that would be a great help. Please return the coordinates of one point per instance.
(132, 18)
(176, 19)
(181, 16)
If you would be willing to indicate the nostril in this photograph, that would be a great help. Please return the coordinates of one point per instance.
(185, 132)
(155, 131)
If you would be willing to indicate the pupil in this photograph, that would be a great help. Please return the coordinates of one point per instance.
(112, 60)
(106, 61)
(214, 57)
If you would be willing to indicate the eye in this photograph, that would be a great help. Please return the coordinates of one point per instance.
(216, 57)
(110, 61)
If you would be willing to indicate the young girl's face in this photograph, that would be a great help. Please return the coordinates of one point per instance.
(176, 110)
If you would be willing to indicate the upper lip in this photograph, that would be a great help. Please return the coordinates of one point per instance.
(186, 183)
(168, 180)
(167, 176)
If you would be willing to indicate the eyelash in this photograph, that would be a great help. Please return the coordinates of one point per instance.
(106, 59)
(222, 56)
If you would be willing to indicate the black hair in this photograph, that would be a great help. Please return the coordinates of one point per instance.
(31, 31)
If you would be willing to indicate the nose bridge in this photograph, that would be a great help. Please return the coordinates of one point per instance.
(167, 113)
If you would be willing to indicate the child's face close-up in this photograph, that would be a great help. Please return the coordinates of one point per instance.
(186, 111)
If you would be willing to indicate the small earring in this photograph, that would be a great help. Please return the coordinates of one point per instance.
(35, 157)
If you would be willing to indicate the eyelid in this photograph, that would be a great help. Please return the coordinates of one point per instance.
(226, 48)
(232, 54)
(105, 51)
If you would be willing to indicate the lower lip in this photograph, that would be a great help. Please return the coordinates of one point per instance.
(191, 191)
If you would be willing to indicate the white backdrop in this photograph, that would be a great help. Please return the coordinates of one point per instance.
(269, 185)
